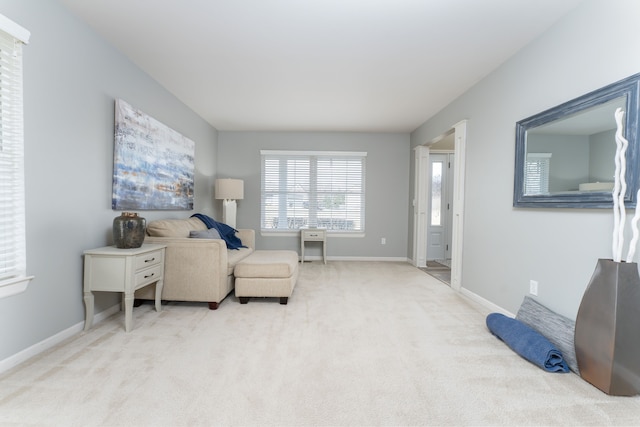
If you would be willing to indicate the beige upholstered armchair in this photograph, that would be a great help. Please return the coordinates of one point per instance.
(196, 269)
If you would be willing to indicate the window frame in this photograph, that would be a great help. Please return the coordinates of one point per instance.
(311, 195)
(13, 277)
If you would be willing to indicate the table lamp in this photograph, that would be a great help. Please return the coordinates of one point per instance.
(229, 190)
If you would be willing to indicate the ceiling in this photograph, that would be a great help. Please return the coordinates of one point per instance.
(318, 65)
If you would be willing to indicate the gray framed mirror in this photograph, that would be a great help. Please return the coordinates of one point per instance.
(565, 155)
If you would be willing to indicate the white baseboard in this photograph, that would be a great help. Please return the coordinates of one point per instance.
(51, 341)
(485, 303)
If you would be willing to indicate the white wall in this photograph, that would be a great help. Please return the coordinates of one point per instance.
(71, 78)
(387, 196)
(596, 44)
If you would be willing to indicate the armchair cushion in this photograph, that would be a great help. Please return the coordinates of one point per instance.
(174, 227)
(211, 233)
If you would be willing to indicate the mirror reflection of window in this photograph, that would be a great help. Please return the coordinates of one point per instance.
(536, 179)
(436, 193)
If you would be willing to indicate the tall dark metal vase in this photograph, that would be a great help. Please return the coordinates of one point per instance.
(129, 230)
(607, 330)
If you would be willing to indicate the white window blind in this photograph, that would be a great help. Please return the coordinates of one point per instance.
(313, 189)
(536, 174)
(12, 212)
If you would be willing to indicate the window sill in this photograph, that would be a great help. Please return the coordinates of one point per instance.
(297, 234)
(14, 286)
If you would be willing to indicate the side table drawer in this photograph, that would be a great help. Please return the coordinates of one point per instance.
(147, 260)
(147, 276)
(309, 235)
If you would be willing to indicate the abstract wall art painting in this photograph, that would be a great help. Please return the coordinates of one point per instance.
(153, 165)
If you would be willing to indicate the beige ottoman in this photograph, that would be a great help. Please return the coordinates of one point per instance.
(266, 274)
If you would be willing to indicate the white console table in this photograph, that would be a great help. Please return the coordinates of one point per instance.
(122, 270)
(313, 235)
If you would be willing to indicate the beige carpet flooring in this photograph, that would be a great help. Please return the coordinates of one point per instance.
(360, 343)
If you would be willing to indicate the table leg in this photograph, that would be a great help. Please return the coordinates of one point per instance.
(128, 311)
(159, 285)
(324, 251)
(88, 307)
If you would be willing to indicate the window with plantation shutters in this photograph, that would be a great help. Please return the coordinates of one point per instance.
(536, 174)
(313, 189)
(13, 278)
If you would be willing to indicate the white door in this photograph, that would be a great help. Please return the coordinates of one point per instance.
(440, 213)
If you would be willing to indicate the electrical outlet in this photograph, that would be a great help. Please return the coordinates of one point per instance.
(383, 241)
(533, 287)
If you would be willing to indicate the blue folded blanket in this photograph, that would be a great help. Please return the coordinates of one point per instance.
(526, 342)
(227, 232)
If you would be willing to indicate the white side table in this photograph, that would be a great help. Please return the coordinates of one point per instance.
(122, 270)
(313, 235)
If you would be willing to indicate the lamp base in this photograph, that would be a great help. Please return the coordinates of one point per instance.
(229, 212)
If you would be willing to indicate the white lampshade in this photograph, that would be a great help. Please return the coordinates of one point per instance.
(229, 189)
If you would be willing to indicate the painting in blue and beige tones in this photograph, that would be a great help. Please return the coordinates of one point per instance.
(153, 166)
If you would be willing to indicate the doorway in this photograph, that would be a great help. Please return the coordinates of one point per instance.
(421, 202)
(440, 213)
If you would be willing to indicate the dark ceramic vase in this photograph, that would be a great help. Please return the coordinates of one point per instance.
(128, 230)
(607, 327)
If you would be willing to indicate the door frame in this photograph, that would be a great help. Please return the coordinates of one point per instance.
(420, 202)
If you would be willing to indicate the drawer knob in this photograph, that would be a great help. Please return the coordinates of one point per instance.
(150, 275)
(150, 260)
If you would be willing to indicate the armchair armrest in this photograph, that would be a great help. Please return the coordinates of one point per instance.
(248, 237)
(195, 269)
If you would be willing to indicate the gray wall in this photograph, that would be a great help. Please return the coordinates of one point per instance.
(387, 197)
(601, 151)
(71, 78)
(504, 248)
